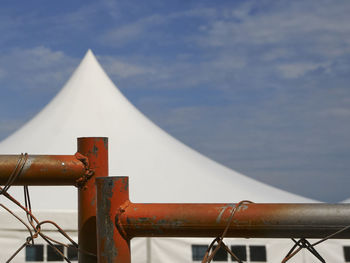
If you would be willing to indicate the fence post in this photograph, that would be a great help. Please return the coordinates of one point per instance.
(96, 151)
(113, 244)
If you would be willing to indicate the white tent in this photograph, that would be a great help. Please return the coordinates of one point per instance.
(161, 169)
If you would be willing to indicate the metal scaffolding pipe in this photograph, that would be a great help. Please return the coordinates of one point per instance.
(119, 220)
(96, 150)
(250, 220)
(43, 170)
(112, 245)
(80, 170)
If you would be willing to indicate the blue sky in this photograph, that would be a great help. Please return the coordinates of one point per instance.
(260, 86)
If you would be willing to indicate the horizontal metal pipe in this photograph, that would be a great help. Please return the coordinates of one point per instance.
(43, 169)
(250, 220)
(119, 220)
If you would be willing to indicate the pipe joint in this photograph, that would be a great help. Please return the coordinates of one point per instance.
(81, 181)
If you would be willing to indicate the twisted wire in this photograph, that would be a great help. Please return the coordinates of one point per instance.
(34, 227)
(15, 173)
(303, 243)
(208, 257)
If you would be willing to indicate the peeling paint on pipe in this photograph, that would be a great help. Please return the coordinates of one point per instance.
(113, 244)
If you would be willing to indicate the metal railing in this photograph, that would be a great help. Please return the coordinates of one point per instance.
(107, 220)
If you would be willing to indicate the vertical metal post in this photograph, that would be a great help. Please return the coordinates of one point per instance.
(112, 242)
(96, 151)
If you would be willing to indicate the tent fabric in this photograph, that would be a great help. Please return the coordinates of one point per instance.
(179, 250)
(160, 168)
(13, 234)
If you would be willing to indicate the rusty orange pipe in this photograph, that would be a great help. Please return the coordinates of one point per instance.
(119, 220)
(80, 170)
(43, 170)
(250, 220)
(96, 150)
(113, 245)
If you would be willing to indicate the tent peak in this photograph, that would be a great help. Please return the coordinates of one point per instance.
(89, 56)
(89, 53)
(89, 73)
(91, 105)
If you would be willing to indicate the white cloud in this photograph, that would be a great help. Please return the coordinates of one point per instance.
(38, 57)
(229, 62)
(122, 34)
(39, 68)
(293, 25)
(296, 70)
(240, 42)
(141, 28)
(80, 19)
(277, 53)
(122, 69)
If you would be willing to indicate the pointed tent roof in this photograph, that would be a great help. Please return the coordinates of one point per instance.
(161, 169)
(346, 200)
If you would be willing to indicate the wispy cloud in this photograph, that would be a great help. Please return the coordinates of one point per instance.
(121, 69)
(147, 26)
(130, 32)
(256, 40)
(279, 23)
(39, 68)
(295, 70)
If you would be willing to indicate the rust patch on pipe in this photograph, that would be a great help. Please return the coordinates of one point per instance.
(105, 143)
(105, 232)
(80, 182)
(95, 151)
(117, 221)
